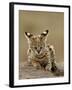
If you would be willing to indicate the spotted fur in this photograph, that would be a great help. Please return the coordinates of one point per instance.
(40, 54)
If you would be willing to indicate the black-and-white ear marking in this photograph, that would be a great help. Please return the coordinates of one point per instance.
(45, 33)
(29, 35)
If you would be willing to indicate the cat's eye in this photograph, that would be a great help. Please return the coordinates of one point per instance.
(35, 47)
(40, 47)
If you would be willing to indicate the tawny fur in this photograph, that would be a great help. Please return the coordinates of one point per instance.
(41, 54)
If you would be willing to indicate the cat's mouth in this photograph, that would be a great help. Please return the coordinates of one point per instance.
(40, 56)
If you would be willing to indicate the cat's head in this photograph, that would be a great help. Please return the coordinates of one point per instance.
(37, 43)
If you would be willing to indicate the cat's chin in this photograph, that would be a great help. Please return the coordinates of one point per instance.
(39, 54)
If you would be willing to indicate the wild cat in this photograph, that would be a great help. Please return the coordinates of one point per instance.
(40, 54)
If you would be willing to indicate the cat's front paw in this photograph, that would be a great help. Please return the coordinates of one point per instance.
(48, 68)
(36, 65)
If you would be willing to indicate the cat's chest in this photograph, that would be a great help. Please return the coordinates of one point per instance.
(41, 58)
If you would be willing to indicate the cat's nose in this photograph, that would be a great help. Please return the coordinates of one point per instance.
(38, 51)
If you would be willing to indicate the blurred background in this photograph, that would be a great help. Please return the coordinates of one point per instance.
(36, 22)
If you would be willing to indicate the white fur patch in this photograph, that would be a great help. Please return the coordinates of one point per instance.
(44, 32)
(51, 46)
(39, 35)
(28, 34)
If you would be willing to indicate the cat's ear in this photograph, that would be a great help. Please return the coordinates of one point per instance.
(44, 34)
(28, 35)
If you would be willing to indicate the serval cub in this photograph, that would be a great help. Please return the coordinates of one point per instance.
(40, 54)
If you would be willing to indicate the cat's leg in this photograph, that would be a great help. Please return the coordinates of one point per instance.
(36, 64)
(52, 57)
(48, 67)
(48, 64)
